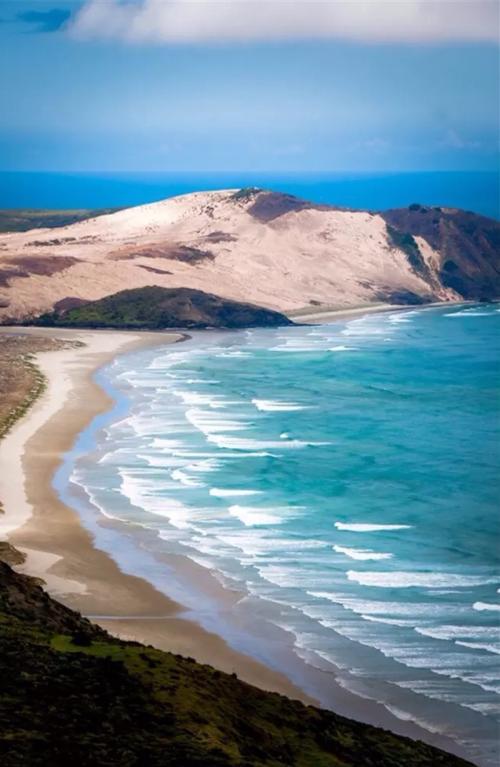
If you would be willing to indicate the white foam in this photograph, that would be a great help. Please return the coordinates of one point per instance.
(142, 425)
(200, 454)
(209, 423)
(161, 461)
(235, 443)
(342, 349)
(399, 318)
(205, 466)
(220, 492)
(405, 716)
(192, 398)
(402, 580)
(366, 326)
(388, 621)
(452, 632)
(374, 607)
(450, 665)
(297, 346)
(201, 381)
(93, 499)
(277, 406)
(484, 708)
(260, 543)
(368, 528)
(285, 576)
(494, 649)
(486, 606)
(144, 495)
(361, 554)
(253, 516)
(168, 445)
(185, 479)
(468, 313)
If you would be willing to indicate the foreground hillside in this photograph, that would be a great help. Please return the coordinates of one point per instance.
(265, 248)
(72, 694)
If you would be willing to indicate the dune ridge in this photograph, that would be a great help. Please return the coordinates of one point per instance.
(269, 249)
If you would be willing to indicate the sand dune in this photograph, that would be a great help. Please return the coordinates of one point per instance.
(262, 247)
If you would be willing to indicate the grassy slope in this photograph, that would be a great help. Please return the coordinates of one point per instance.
(21, 220)
(21, 381)
(154, 308)
(71, 694)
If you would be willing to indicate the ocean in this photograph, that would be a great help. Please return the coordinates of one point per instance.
(476, 191)
(343, 480)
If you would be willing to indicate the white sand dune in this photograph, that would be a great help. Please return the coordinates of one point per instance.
(217, 242)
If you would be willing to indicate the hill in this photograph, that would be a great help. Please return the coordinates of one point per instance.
(72, 694)
(272, 250)
(468, 244)
(154, 308)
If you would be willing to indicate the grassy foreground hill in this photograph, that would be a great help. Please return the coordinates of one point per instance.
(70, 694)
(154, 308)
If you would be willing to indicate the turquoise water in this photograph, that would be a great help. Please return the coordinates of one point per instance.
(345, 479)
(477, 191)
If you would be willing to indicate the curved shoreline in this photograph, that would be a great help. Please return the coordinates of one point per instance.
(58, 548)
(61, 551)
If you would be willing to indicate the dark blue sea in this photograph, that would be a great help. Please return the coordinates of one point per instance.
(475, 191)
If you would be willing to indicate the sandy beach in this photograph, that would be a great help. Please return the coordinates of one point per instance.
(311, 316)
(61, 551)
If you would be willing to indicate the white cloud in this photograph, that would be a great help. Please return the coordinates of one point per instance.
(192, 21)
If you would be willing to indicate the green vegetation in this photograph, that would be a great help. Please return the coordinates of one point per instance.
(155, 308)
(21, 220)
(407, 243)
(247, 193)
(469, 241)
(39, 384)
(70, 694)
(21, 380)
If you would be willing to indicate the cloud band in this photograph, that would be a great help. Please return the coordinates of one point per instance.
(219, 21)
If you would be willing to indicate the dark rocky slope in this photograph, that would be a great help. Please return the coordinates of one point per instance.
(70, 694)
(468, 245)
(154, 308)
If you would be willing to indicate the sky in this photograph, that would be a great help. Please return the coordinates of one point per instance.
(265, 85)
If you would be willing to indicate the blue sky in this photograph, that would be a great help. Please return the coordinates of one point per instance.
(276, 86)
